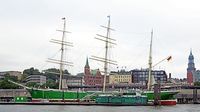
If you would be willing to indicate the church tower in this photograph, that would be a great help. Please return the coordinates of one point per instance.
(87, 68)
(191, 68)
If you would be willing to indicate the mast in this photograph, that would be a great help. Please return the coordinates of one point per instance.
(62, 53)
(106, 61)
(106, 55)
(150, 64)
(63, 43)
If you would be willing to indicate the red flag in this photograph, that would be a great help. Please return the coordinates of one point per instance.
(169, 58)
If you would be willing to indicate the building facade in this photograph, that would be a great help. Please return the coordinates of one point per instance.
(120, 77)
(2, 75)
(92, 77)
(39, 79)
(73, 80)
(190, 69)
(140, 76)
(196, 76)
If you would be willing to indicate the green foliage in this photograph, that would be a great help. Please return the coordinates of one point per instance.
(4, 84)
(66, 72)
(52, 74)
(31, 71)
(196, 83)
(32, 84)
(23, 78)
(13, 78)
(52, 84)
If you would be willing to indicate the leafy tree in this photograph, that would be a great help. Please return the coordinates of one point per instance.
(13, 78)
(4, 84)
(52, 74)
(66, 72)
(31, 71)
(196, 83)
(32, 84)
(23, 78)
(52, 84)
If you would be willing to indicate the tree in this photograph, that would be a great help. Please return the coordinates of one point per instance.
(52, 84)
(52, 73)
(196, 83)
(4, 84)
(23, 78)
(66, 72)
(13, 78)
(31, 71)
(32, 84)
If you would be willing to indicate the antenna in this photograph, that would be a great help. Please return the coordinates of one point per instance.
(107, 41)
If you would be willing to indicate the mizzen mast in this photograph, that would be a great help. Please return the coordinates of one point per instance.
(106, 61)
(150, 79)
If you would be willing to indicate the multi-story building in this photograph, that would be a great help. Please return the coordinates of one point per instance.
(120, 77)
(140, 76)
(196, 76)
(191, 69)
(2, 75)
(73, 80)
(39, 79)
(92, 77)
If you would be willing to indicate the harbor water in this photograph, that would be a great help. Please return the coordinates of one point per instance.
(69, 108)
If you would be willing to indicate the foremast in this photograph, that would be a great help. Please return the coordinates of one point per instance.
(63, 43)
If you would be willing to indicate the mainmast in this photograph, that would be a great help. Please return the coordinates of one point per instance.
(150, 64)
(106, 61)
(62, 53)
(63, 43)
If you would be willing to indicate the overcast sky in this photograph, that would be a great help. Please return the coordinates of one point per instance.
(26, 26)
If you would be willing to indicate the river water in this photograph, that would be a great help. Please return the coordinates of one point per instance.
(69, 108)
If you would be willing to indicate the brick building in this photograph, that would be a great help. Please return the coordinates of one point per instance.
(92, 77)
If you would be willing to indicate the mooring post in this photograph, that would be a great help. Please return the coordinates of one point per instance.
(195, 96)
(156, 94)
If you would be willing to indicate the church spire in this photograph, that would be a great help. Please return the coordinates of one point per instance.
(87, 63)
(191, 69)
(191, 64)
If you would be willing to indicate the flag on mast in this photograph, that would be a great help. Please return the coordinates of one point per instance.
(169, 58)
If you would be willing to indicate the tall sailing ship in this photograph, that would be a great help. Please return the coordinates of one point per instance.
(55, 95)
(58, 94)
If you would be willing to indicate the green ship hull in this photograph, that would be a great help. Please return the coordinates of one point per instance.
(74, 95)
(164, 95)
(57, 94)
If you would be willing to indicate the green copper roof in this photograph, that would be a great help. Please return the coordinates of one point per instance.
(94, 72)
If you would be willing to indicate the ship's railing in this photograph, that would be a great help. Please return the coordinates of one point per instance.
(89, 96)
